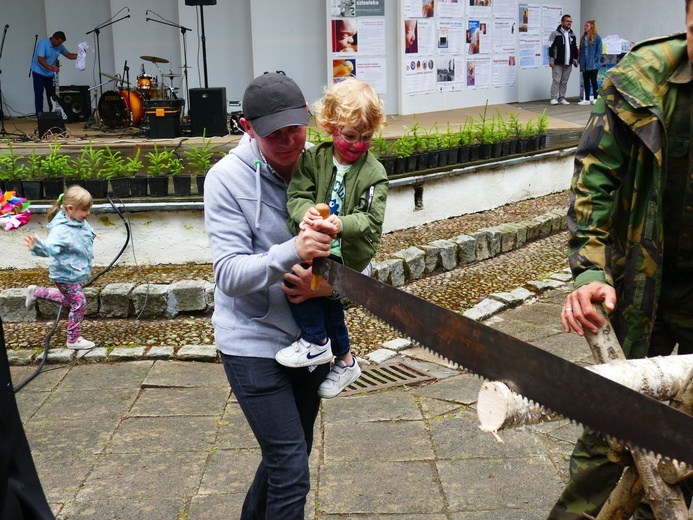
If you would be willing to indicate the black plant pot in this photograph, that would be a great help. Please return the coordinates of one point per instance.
(182, 185)
(522, 145)
(400, 165)
(432, 161)
(74, 182)
(485, 151)
(443, 158)
(512, 146)
(32, 190)
(453, 155)
(15, 186)
(412, 162)
(200, 181)
(542, 141)
(389, 164)
(505, 148)
(158, 185)
(138, 186)
(463, 154)
(496, 149)
(531, 144)
(52, 188)
(422, 161)
(121, 187)
(97, 187)
(474, 152)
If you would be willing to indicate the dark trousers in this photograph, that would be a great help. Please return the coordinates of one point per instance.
(319, 318)
(589, 78)
(21, 494)
(281, 405)
(42, 83)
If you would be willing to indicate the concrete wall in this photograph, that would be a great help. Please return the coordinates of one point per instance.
(245, 38)
(177, 236)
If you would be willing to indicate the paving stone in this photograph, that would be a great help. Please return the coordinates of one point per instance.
(381, 355)
(150, 300)
(467, 248)
(115, 300)
(95, 354)
(197, 353)
(20, 357)
(414, 262)
(544, 285)
(159, 353)
(13, 308)
(397, 344)
(126, 353)
(187, 296)
(483, 310)
(60, 355)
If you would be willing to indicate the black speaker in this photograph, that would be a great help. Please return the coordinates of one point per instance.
(200, 2)
(50, 122)
(208, 111)
(74, 100)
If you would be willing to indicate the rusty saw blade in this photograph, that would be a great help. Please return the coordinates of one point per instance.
(553, 382)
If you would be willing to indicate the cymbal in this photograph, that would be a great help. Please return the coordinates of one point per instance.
(111, 76)
(184, 67)
(171, 75)
(154, 59)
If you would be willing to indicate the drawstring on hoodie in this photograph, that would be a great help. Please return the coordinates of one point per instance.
(258, 191)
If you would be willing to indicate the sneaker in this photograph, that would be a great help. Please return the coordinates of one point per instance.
(564, 102)
(30, 298)
(303, 353)
(594, 101)
(339, 378)
(81, 344)
(553, 102)
(584, 102)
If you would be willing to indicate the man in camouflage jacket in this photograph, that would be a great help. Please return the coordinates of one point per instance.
(631, 230)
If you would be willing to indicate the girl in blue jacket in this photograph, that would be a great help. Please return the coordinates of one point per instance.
(590, 60)
(70, 246)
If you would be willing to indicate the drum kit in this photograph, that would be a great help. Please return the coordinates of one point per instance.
(124, 106)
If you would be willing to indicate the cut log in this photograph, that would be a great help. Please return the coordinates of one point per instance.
(661, 378)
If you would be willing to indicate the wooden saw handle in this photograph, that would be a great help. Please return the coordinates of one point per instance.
(324, 211)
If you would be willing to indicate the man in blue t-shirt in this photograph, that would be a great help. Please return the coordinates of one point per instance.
(44, 65)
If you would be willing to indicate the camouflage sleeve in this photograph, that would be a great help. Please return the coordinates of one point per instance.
(600, 164)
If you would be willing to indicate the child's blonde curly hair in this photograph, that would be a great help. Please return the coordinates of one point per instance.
(351, 102)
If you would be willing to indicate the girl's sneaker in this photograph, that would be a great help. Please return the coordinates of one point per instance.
(81, 344)
(341, 375)
(30, 298)
(302, 353)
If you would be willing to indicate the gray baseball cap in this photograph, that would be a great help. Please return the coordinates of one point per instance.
(273, 101)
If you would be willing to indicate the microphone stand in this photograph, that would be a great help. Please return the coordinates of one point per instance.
(185, 47)
(97, 31)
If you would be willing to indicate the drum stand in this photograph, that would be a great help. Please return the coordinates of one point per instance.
(94, 120)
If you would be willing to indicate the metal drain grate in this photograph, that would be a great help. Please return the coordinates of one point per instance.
(385, 376)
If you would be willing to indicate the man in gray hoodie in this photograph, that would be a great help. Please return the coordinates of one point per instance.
(253, 252)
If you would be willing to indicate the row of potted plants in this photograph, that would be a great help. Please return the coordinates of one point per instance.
(479, 138)
(37, 177)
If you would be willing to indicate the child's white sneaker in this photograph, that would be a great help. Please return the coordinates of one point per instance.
(303, 353)
(81, 344)
(341, 375)
(30, 298)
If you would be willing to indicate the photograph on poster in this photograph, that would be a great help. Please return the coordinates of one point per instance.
(474, 39)
(342, 69)
(342, 8)
(344, 36)
(427, 8)
(411, 37)
(447, 73)
(471, 69)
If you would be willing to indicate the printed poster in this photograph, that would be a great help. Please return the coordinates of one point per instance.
(450, 74)
(479, 72)
(504, 70)
(420, 76)
(529, 18)
(451, 35)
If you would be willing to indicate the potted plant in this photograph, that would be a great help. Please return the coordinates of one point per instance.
(465, 139)
(157, 170)
(515, 132)
(529, 133)
(542, 128)
(12, 170)
(433, 145)
(484, 134)
(181, 183)
(450, 142)
(54, 168)
(403, 148)
(200, 159)
(32, 185)
(383, 152)
(119, 171)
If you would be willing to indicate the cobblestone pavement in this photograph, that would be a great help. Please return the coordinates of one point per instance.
(459, 289)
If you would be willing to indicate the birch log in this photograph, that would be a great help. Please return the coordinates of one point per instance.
(661, 378)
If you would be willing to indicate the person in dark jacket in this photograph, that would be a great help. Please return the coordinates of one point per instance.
(563, 53)
(21, 494)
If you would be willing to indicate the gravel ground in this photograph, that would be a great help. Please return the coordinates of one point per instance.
(458, 290)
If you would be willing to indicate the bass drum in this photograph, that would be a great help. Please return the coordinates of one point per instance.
(135, 104)
(118, 108)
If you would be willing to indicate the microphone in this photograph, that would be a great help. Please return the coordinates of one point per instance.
(7, 26)
(126, 65)
(146, 13)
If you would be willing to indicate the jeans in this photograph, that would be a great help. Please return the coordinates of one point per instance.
(42, 83)
(589, 78)
(281, 405)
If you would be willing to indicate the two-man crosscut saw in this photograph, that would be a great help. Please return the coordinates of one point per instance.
(557, 384)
